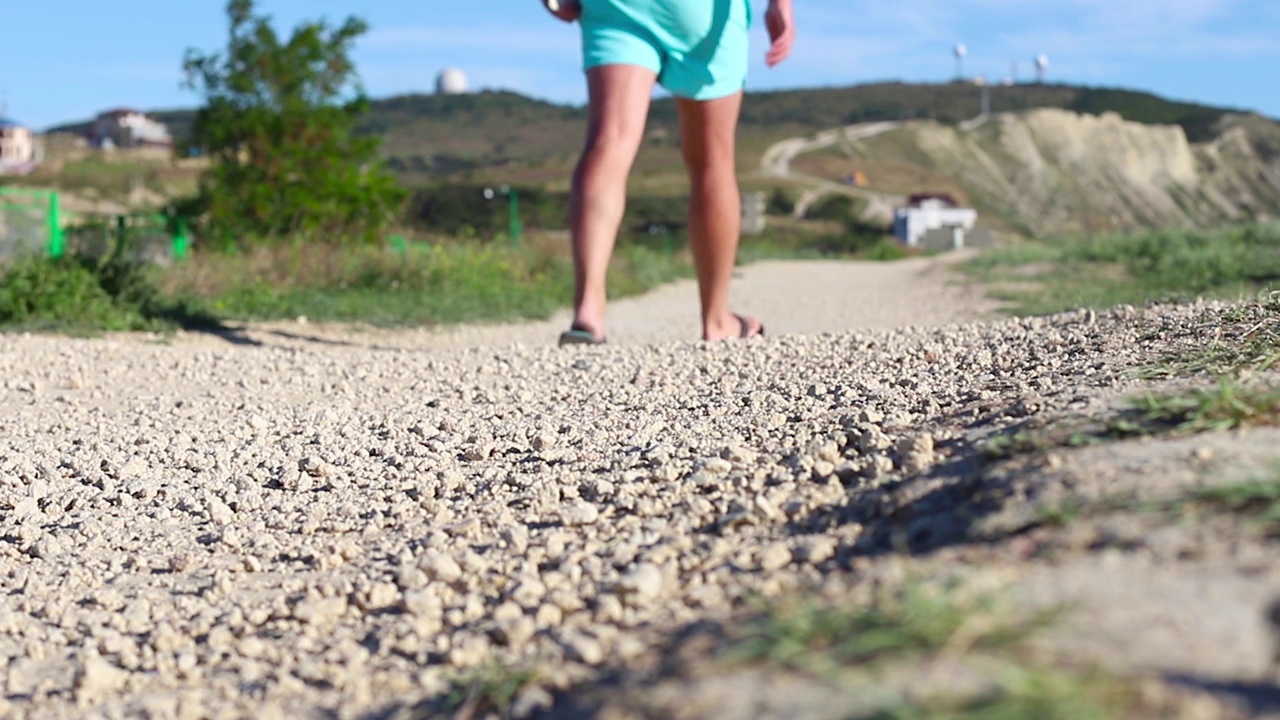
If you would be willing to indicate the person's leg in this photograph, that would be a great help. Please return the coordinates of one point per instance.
(619, 105)
(708, 132)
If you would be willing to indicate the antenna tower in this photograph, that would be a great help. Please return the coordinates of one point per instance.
(1042, 67)
(961, 52)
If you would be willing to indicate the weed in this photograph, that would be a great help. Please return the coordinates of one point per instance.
(1245, 337)
(1227, 406)
(1162, 265)
(1258, 500)
(930, 631)
(491, 689)
(916, 620)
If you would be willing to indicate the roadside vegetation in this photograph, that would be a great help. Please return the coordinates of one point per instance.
(923, 651)
(1253, 504)
(1046, 277)
(399, 284)
(929, 651)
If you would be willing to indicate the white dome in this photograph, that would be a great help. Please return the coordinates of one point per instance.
(451, 81)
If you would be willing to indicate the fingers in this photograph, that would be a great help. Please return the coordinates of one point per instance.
(781, 31)
(781, 48)
(566, 10)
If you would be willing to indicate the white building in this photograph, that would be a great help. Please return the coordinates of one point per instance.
(452, 81)
(17, 148)
(926, 214)
(125, 128)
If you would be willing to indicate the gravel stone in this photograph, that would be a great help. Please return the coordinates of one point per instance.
(332, 523)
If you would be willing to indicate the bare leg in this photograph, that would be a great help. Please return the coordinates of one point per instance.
(708, 133)
(619, 105)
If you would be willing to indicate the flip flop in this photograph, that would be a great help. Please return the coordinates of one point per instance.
(579, 336)
(744, 326)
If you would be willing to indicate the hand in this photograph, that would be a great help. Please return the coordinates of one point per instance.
(782, 31)
(566, 10)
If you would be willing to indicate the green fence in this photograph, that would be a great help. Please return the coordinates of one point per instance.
(30, 222)
(146, 238)
(33, 222)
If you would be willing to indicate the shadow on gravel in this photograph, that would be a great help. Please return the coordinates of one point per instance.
(331, 342)
(214, 328)
(1259, 698)
(920, 513)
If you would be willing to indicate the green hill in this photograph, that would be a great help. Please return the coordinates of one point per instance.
(452, 147)
(430, 137)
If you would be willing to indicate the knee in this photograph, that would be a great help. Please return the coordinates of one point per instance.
(709, 162)
(716, 172)
(613, 141)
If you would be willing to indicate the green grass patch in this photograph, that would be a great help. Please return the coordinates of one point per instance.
(438, 284)
(1227, 406)
(916, 620)
(1255, 502)
(1101, 272)
(489, 690)
(417, 284)
(1245, 338)
(895, 646)
(833, 239)
(82, 295)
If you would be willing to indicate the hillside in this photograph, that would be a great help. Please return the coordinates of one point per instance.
(1033, 171)
(434, 135)
(1050, 171)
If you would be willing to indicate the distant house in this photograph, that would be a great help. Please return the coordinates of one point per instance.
(17, 148)
(934, 219)
(128, 129)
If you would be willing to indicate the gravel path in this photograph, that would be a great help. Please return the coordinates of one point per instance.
(307, 522)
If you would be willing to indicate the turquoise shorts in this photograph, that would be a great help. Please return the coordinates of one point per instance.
(698, 48)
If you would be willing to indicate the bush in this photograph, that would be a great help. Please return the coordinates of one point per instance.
(44, 293)
(278, 123)
(833, 207)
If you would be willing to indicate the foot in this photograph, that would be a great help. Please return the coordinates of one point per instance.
(580, 335)
(739, 326)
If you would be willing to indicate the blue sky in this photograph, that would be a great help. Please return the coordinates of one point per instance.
(63, 60)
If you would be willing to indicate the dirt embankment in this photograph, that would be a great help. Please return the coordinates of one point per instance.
(1046, 172)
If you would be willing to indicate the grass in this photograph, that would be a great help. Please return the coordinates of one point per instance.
(486, 691)
(917, 620)
(1228, 405)
(832, 238)
(418, 284)
(443, 283)
(1255, 502)
(1042, 278)
(920, 629)
(1245, 338)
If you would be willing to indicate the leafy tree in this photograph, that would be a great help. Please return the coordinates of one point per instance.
(278, 123)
